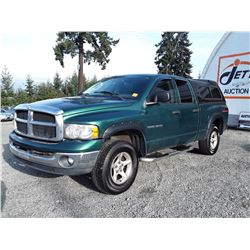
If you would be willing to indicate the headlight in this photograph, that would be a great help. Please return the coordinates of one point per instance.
(74, 131)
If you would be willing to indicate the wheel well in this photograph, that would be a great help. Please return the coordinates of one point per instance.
(134, 137)
(219, 124)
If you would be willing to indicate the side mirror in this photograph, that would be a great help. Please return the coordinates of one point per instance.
(162, 96)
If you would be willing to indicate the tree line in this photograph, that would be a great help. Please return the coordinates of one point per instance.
(173, 56)
(32, 91)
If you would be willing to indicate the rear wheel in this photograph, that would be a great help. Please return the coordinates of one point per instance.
(116, 167)
(210, 145)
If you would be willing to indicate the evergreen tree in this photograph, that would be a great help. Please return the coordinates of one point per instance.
(47, 91)
(164, 55)
(73, 43)
(72, 88)
(183, 55)
(6, 84)
(173, 55)
(91, 82)
(42, 91)
(29, 87)
(21, 96)
(57, 82)
(72, 84)
(65, 86)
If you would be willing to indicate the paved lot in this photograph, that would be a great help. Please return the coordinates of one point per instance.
(186, 185)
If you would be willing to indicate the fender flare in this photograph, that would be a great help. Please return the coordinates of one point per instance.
(125, 126)
(212, 119)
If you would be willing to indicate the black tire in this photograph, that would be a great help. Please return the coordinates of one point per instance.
(103, 172)
(205, 146)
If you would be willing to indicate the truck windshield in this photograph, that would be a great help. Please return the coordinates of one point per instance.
(120, 86)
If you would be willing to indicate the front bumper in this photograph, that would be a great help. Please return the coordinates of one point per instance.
(57, 163)
(62, 163)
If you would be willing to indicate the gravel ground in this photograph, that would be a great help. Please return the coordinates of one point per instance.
(185, 185)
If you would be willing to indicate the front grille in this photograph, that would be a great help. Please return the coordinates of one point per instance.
(22, 127)
(43, 117)
(44, 131)
(39, 124)
(22, 114)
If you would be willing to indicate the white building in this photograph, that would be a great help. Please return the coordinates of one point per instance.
(229, 66)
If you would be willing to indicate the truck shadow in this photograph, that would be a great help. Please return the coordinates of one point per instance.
(194, 151)
(19, 165)
(86, 181)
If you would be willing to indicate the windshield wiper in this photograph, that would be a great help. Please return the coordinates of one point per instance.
(84, 94)
(109, 93)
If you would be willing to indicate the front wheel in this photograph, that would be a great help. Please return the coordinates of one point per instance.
(210, 145)
(116, 167)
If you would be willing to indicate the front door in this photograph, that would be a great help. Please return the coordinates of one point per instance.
(161, 119)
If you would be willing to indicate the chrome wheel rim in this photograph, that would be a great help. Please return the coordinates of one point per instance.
(121, 168)
(213, 140)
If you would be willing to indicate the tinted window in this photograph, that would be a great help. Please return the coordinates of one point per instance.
(204, 92)
(163, 85)
(215, 93)
(184, 91)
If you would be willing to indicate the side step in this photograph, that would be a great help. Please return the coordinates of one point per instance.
(167, 153)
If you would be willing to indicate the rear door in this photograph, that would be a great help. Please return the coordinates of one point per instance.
(188, 111)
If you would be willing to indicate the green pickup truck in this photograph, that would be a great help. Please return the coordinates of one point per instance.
(120, 120)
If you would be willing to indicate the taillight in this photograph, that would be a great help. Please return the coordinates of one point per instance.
(225, 110)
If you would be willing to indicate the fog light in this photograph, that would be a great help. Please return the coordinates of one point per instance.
(66, 162)
(70, 161)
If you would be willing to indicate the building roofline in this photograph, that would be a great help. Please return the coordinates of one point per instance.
(214, 52)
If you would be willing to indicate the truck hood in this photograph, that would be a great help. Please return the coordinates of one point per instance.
(79, 104)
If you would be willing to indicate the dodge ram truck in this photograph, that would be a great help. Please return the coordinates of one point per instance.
(106, 130)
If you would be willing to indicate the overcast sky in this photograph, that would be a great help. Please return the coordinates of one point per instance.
(32, 53)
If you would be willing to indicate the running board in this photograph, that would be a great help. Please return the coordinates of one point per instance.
(167, 153)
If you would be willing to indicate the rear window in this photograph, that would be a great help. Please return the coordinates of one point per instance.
(215, 93)
(206, 92)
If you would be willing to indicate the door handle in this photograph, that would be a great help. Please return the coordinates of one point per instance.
(176, 112)
(195, 110)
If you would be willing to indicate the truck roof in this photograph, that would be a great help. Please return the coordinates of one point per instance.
(194, 81)
(203, 82)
